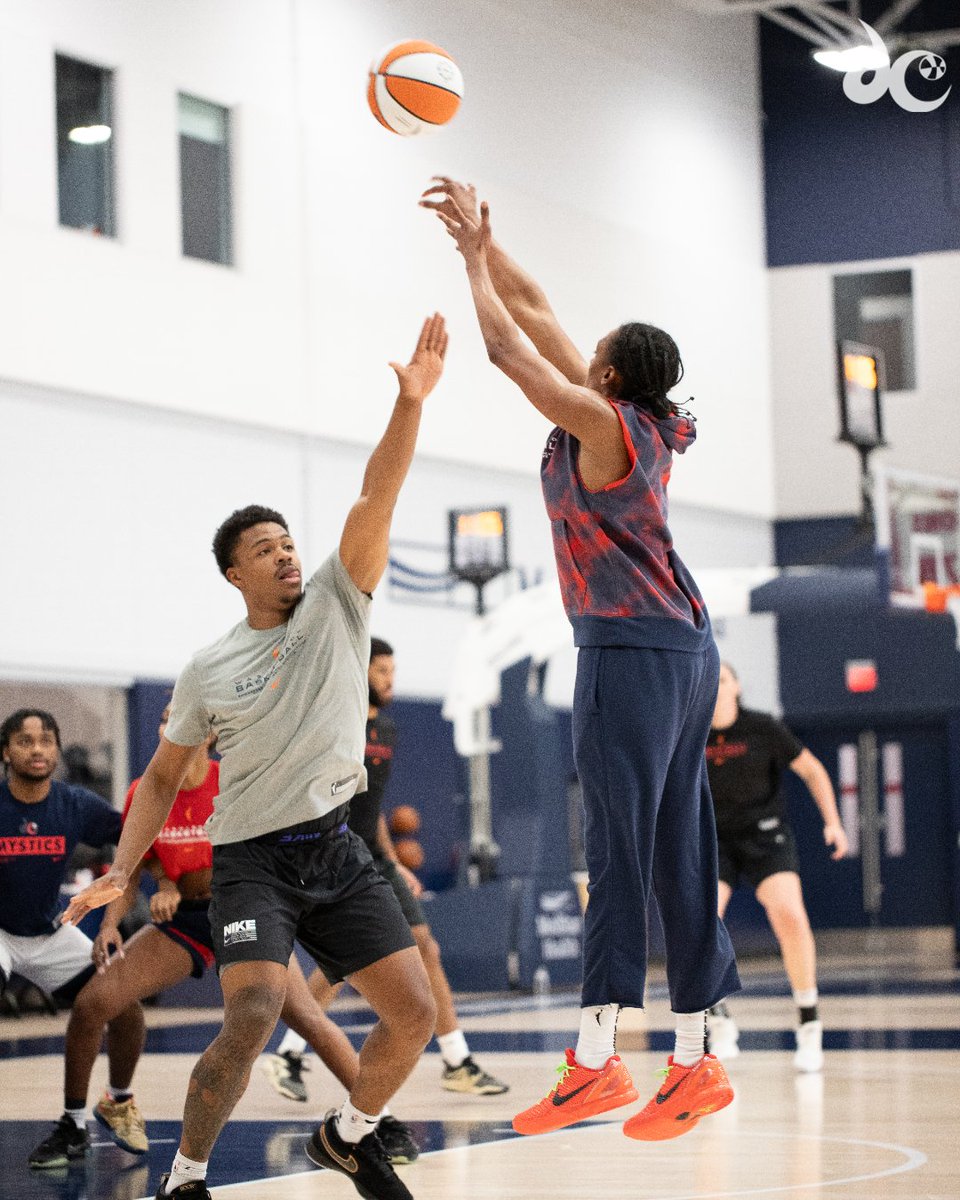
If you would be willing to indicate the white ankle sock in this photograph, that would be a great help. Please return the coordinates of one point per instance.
(78, 1116)
(352, 1124)
(185, 1170)
(119, 1094)
(806, 998)
(690, 1040)
(453, 1048)
(292, 1043)
(598, 1034)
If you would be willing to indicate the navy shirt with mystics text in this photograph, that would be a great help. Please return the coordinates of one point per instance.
(36, 842)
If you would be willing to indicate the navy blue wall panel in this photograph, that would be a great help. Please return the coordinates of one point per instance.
(428, 773)
(529, 782)
(146, 701)
(847, 182)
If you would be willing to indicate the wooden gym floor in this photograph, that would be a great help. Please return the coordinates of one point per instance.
(883, 1119)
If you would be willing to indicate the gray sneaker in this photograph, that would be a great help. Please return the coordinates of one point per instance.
(285, 1072)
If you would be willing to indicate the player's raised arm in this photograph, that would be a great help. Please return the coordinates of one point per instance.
(581, 411)
(366, 534)
(524, 298)
(151, 806)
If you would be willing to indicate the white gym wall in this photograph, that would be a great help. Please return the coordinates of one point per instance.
(143, 395)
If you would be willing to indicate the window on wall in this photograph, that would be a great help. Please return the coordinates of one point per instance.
(85, 146)
(876, 309)
(205, 180)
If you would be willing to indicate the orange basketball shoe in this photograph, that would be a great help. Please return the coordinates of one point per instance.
(686, 1095)
(581, 1093)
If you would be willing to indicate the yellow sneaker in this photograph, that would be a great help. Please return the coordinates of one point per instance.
(124, 1122)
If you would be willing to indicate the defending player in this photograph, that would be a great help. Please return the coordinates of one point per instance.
(285, 692)
(179, 944)
(646, 680)
(460, 1072)
(41, 823)
(746, 754)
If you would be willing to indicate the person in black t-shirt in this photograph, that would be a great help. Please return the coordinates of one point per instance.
(41, 823)
(747, 752)
(460, 1072)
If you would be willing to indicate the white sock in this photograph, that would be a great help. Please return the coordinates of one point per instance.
(806, 997)
(119, 1094)
(292, 1043)
(352, 1124)
(185, 1170)
(597, 1036)
(690, 1043)
(78, 1116)
(453, 1048)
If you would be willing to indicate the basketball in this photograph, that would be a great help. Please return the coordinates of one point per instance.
(410, 853)
(415, 87)
(404, 820)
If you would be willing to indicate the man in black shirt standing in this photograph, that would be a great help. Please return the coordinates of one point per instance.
(747, 752)
(460, 1072)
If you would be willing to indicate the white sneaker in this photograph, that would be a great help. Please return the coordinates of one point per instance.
(723, 1036)
(809, 1055)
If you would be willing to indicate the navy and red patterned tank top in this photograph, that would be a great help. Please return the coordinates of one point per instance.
(622, 582)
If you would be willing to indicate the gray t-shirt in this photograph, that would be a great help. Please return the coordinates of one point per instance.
(289, 708)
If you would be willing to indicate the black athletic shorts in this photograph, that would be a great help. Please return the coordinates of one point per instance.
(408, 901)
(189, 927)
(756, 852)
(315, 883)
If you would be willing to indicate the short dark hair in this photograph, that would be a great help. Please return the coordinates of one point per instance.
(378, 646)
(226, 538)
(649, 365)
(14, 723)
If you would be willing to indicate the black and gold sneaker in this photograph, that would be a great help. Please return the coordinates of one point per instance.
(364, 1163)
(66, 1142)
(196, 1189)
(397, 1140)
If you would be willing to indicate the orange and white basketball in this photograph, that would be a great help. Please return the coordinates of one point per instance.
(415, 87)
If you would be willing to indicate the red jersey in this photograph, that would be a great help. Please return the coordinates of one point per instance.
(623, 583)
(182, 844)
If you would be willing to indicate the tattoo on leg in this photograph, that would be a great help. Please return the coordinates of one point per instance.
(222, 1073)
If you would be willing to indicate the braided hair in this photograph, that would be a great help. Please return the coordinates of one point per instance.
(649, 365)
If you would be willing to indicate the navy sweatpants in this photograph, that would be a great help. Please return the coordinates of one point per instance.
(640, 723)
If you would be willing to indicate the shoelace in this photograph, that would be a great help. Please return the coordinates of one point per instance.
(563, 1071)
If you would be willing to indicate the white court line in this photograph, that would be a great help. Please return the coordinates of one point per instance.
(914, 1159)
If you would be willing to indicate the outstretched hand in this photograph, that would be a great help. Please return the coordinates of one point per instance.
(467, 225)
(108, 887)
(419, 377)
(452, 197)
